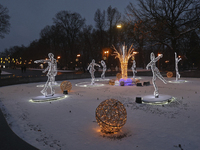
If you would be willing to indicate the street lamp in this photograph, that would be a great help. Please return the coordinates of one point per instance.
(119, 26)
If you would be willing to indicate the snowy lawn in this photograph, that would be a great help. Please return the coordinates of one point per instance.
(70, 123)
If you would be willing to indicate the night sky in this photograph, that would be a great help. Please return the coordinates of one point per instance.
(29, 17)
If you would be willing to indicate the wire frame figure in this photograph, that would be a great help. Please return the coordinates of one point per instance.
(51, 73)
(134, 68)
(104, 69)
(156, 72)
(92, 70)
(177, 59)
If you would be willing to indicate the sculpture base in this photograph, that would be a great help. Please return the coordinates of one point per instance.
(100, 79)
(88, 84)
(177, 81)
(48, 98)
(160, 100)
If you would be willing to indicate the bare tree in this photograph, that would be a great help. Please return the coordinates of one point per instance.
(70, 24)
(113, 18)
(4, 21)
(167, 20)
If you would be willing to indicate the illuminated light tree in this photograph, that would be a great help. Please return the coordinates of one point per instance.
(124, 56)
(177, 59)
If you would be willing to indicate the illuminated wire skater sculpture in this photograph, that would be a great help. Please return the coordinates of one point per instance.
(177, 59)
(52, 72)
(92, 70)
(155, 72)
(134, 68)
(104, 69)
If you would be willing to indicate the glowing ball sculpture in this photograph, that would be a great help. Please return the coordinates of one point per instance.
(111, 82)
(169, 74)
(66, 85)
(111, 115)
(118, 76)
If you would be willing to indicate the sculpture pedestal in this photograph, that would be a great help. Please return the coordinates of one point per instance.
(177, 81)
(47, 98)
(88, 84)
(161, 99)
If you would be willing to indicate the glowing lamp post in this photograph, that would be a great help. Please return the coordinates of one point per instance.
(124, 56)
(119, 26)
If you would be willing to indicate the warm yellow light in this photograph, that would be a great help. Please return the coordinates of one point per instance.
(58, 57)
(135, 53)
(166, 61)
(111, 115)
(78, 55)
(159, 54)
(124, 56)
(119, 26)
(179, 56)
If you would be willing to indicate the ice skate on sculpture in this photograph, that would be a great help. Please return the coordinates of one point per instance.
(133, 68)
(177, 59)
(52, 72)
(104, 69)
(155, 72)
(92, 70)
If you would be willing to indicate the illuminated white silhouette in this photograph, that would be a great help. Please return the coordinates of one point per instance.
(52, 72)
(92, 70)
(177, 59)
(133, 68)
(104, 69)
(155, 72)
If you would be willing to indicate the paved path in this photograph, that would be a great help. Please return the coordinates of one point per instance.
(9, 140)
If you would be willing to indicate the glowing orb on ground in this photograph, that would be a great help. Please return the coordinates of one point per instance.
(111, 115)
(112, 82)
(66, 85)
(118, 76)
(169, 74)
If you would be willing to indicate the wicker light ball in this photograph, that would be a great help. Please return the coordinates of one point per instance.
(169, 74)
(66, 85)
(118, 76)
(112, 82)
(111, 115)
(137, 81)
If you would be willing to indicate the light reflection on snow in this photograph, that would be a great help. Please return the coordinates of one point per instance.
(88, 84)
(45, 99)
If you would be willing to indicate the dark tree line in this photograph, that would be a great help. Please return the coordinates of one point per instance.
(161, 26)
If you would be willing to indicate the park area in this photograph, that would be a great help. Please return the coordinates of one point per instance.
(70, 123)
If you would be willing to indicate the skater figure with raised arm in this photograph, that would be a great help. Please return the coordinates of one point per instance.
(134, 68)
(92, 70)
(155, 72)
(104, 69)
(52, 72)
(177, 59)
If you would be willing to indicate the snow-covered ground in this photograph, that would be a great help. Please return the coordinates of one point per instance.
(70, 123)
